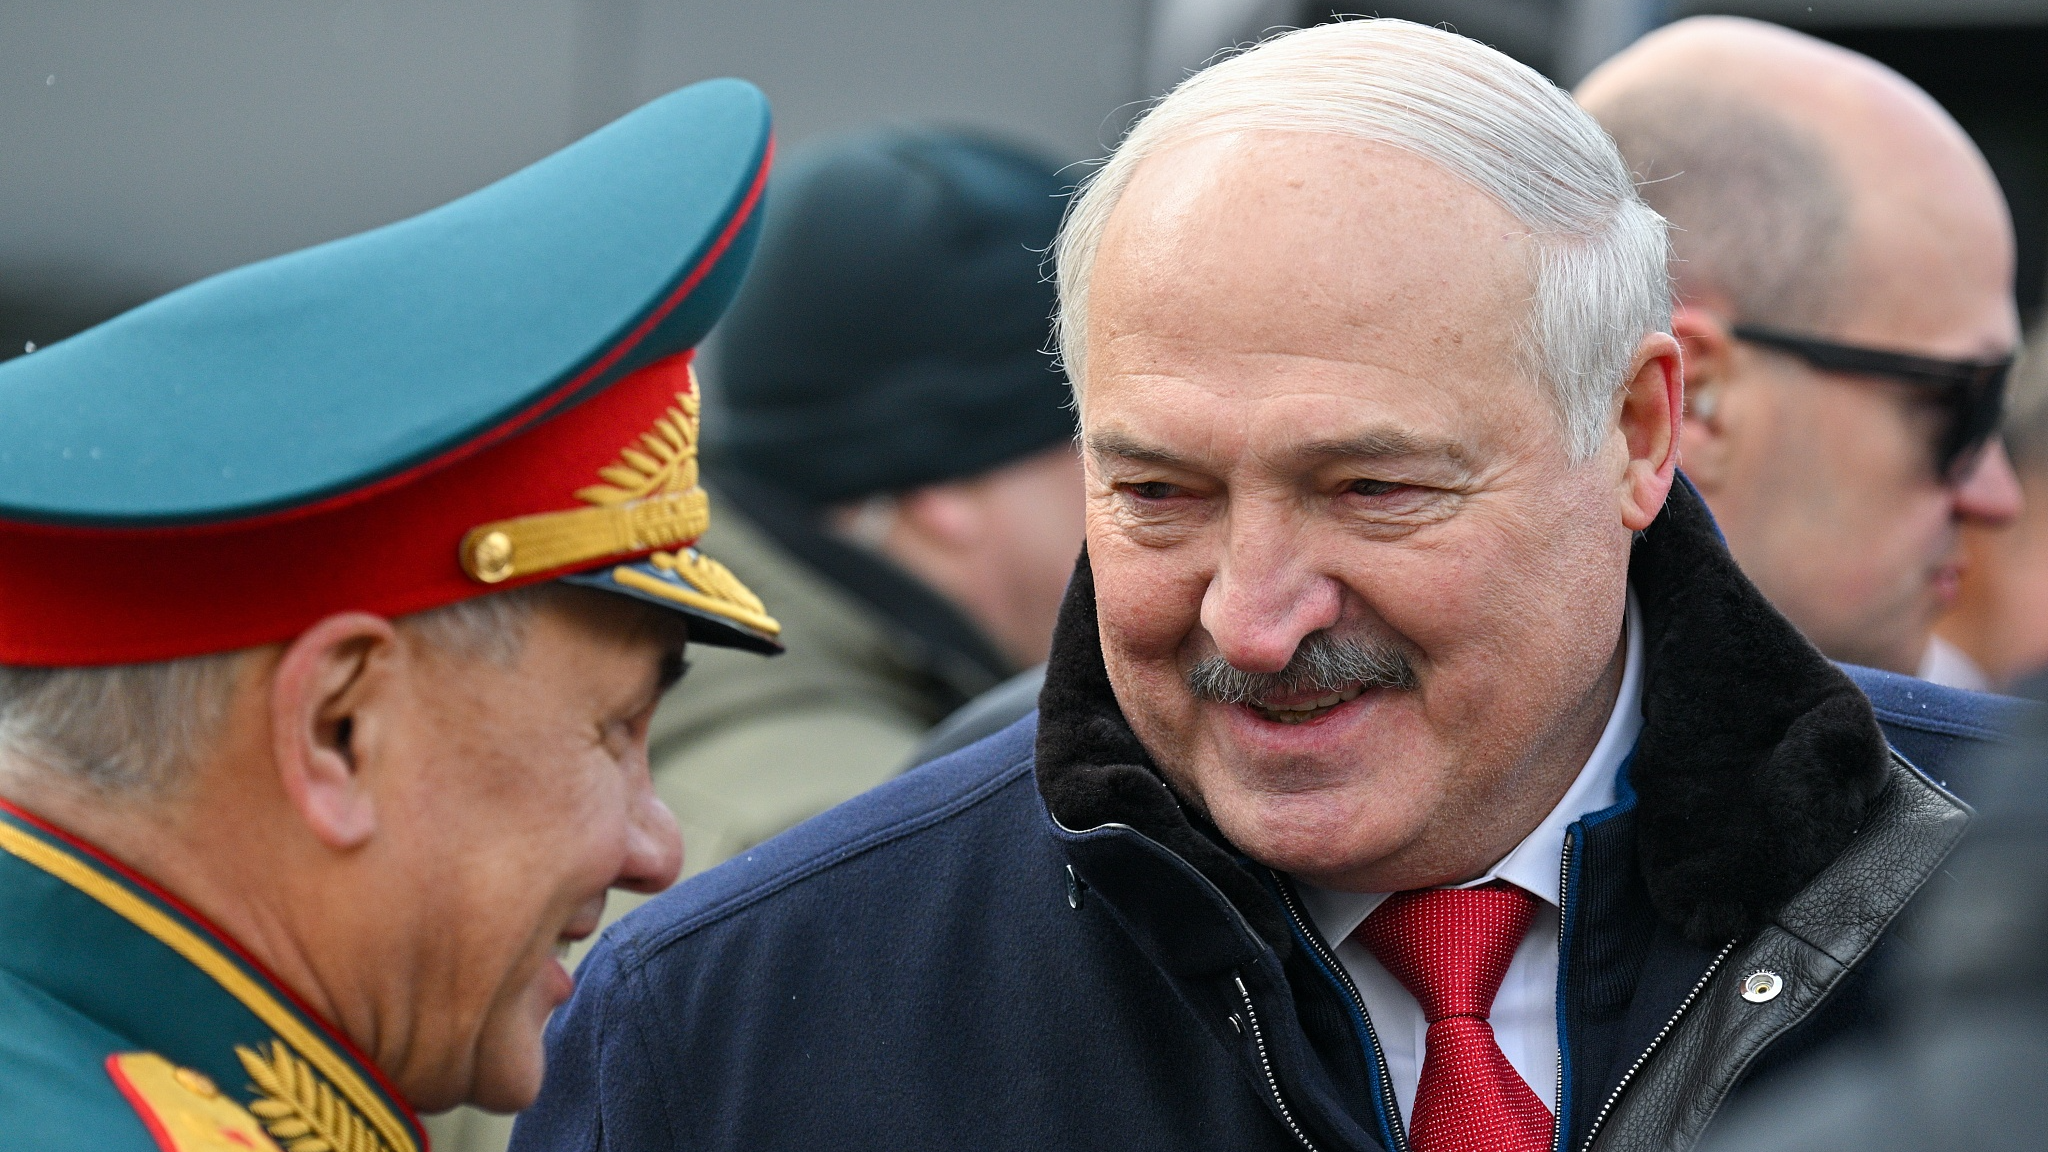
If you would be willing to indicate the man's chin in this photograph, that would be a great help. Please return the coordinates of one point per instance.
(509, 1059)
(508, 1071)
(1356, 870)
(1329, 837)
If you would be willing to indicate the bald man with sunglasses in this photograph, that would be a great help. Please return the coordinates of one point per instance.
(1844, 265)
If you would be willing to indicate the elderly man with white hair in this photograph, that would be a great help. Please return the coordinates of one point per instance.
(1414, 769)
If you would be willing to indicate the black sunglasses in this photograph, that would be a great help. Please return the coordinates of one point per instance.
(1970, 393)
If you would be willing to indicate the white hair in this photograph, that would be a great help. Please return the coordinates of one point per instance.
(1601, 254)
(136, 728)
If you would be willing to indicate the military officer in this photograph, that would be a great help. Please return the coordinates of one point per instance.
(336, 593)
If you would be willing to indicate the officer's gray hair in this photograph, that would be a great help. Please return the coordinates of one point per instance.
(135, 728)
(1600, 253)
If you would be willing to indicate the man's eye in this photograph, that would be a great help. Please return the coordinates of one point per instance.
(1153, 490)
(1374, 487)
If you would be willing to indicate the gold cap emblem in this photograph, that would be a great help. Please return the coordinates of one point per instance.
(697, 581)
(649, 499)
(490, 557)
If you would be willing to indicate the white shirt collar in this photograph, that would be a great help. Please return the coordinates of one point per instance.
(1947, 664)
(1533, 865)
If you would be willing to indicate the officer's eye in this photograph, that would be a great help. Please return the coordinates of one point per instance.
(671, 671)
(1374, 487)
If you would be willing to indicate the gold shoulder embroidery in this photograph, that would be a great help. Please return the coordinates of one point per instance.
(300, 1109)
(182, 1108)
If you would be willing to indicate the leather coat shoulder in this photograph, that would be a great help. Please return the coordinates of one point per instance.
(1761, 988)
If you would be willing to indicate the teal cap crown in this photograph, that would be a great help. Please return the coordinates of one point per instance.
(310, 375)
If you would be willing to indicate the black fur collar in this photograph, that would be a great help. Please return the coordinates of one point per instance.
(1757, 762)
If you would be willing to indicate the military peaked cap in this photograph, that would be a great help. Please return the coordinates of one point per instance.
(494, 393)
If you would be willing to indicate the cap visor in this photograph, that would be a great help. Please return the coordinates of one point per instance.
(716, 616)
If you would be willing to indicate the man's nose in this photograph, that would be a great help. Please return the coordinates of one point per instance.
(1264, 599)
(1990, 494)
(654, 847)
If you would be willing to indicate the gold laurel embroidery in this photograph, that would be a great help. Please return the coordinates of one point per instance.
(669, 464)
(710, 577)
(301, 1111)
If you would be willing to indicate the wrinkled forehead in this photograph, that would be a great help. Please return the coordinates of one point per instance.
(1263, 288)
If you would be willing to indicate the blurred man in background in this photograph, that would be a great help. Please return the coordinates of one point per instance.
(893, 465)
(1844, 281)
(2000, 619)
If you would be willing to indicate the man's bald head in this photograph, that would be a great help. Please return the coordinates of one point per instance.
(1815, 191)
(1795, 171)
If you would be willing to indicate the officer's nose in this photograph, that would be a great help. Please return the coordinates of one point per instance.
(654, 847)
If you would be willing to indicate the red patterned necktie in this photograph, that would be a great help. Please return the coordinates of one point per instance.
(1450, 947)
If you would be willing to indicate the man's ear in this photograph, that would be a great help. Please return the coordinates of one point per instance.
(331, 697)
(946, 516)
(1652, 407)
(1709, 371)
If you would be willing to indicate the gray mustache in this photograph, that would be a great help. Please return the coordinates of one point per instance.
(1322, 664)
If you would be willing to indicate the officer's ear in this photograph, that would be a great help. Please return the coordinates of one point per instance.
(323, 704)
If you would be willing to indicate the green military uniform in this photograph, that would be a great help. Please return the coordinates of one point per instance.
(129, 1024)
(495, 394)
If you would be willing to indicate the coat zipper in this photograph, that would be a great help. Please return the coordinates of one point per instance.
(1564, 913)
(1388, 1100)
(1251, 1019)
(1389, 1104)
(1628, 1077)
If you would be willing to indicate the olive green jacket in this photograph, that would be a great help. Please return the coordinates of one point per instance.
(747, 746)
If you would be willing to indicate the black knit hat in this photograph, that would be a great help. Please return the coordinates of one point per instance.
(893, 329)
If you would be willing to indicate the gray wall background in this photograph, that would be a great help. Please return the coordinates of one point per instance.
(147, 143)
